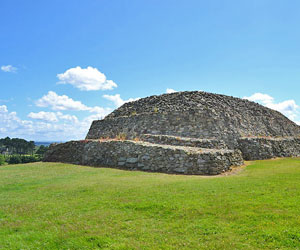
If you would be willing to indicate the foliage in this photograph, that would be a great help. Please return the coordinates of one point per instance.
(30, 158)
(42, 150)
(62, 206)
(14, 159)
(17, 145)
(2, 160)
(17, 159)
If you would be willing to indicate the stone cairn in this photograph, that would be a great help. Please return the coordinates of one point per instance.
(185, 133)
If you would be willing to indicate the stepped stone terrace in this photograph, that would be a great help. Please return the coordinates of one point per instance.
(184, 132)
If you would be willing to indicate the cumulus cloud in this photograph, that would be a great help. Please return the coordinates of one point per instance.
(67, 117)
(86, 79)
(57, 102)
(261, 98)
(10, 123)
(62, 103)
(117, 100)
(45, 125)
(8, 68)
(3, 109)
(52, 116)
(289, 107)
(44, 116)
(169, 91)
(100, 111)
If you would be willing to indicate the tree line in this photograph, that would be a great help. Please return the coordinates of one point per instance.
(17, 146)
(16, 150)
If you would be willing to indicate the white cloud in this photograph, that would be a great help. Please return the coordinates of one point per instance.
(67, 127)
(62, 103)
(8, 68)
(261, 98)
(169, 91)
(3, 109)
(51, 125)
(86, 79)
(67, 117)
(117, 100)
(11, 124)
(44, 116)
(99, 111)
(57, 102)
(52, 116)
(289, 107)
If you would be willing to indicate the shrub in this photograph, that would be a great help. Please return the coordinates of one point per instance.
(2, 160)
(14, 159)
(29, 158)
(17, 159)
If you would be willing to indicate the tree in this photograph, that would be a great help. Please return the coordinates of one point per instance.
(42, 150)
(17, 145)
(2, 160)
(31, 147)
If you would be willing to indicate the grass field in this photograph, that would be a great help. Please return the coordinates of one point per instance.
(62, 206)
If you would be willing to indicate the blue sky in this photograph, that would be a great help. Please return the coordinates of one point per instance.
(65, 63)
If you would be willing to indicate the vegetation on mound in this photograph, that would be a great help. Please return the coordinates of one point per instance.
(63, 206)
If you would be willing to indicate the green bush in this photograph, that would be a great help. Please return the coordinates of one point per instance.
(17, 159)
(2, 160)
(28, 158)
(14, 159)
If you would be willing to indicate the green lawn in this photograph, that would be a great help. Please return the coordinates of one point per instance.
(62, 206)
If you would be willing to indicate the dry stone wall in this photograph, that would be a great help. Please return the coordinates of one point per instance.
(183, 141)
(145, 156)
(266, 148)
(195, 115)
(183, 132)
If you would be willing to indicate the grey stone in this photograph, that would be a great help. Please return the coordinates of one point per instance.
(183, 132)
(179, 170)
(132, 160)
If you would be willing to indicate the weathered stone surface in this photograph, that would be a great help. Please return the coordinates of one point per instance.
(145, 156)
(196, 115)
(256, 148)
(183, 141)
(184, 132)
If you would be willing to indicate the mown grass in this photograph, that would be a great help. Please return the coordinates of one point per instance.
(62, 206)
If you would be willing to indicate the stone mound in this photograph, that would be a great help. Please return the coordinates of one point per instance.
(197, 115)
(184, 132)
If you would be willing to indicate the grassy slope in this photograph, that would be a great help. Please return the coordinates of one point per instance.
(61, 206)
